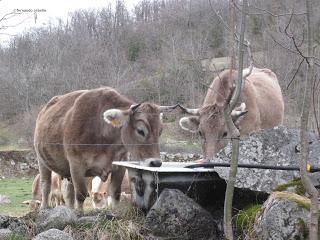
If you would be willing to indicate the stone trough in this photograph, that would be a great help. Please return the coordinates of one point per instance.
(203, 185)
(147, 183)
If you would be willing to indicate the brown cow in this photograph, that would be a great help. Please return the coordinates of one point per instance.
(100, 189)
(79, 134)
(56, 197)
(261, 106)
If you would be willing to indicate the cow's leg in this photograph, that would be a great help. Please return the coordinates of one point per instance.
(67, 190)
(80, 185)
(45, 183)
(117, 175)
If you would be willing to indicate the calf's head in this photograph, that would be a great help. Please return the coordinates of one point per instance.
(99, 200)
(141, 127)
(210, 124)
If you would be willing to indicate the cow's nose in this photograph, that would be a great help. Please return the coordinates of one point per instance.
(153, 162)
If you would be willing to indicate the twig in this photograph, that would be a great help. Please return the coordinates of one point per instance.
(296, 72)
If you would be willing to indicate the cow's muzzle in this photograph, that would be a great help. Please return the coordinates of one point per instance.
(152, 162)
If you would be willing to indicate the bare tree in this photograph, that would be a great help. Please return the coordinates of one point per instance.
(233, 131)
(311, 190)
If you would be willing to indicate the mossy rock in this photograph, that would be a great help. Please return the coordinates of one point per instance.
(300, 200)
(294, 185)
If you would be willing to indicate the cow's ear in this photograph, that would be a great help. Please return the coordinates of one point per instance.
(190, 124)
(27, 202)
(116, 117)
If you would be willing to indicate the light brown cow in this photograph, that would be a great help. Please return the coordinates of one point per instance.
(79, 134)
(56, 197)
(99, 193)
(261, 106)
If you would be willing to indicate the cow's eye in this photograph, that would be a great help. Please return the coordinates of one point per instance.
(200, 133)
(141, 132)
(225, 134)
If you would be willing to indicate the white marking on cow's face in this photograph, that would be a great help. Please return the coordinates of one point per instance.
(99, 200)
(190, 124)
(161, 117)
(115, 117)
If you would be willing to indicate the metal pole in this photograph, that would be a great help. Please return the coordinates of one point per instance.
(310, 168)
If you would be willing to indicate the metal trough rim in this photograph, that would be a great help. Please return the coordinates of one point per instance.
(180, 167)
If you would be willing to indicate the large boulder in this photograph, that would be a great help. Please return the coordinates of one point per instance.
(53, 234)
(279, 146)
(283, 216)
(58, 217)
(176, 216)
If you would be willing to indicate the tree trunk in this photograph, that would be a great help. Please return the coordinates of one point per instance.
(233, 131)
(311, 190)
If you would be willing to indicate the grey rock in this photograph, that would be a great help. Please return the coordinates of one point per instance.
(276, 146)
(5, 233)
(4, 199)
(281, 219)
(24, 166)
(58, 217)
(53, 234)
(176, 216)
(16, 225)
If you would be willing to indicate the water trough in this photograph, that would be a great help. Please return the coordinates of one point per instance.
(201, 184)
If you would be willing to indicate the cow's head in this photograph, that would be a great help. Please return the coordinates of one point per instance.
(99, 200)
(209, 122)
(33, 204)
(141, 126)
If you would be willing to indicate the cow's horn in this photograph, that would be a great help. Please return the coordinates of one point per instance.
(239, 111)
(134, 107)
(167, 108)
(192, 111)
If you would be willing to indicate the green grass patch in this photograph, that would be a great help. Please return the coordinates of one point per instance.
(18, 190)
(10, 148)
(16, 237)
(245, 218)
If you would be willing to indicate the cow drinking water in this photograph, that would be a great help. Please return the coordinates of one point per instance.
(81, 133)
(260, 106)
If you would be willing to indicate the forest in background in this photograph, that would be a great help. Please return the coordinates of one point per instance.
(154, 53)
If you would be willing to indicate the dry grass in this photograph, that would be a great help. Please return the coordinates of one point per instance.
(126, 226)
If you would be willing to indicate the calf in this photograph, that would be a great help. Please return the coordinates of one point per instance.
(56, 197)
(99, 192)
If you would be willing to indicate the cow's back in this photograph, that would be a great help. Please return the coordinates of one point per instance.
(262, 88)
(261, 94)
(48, 137)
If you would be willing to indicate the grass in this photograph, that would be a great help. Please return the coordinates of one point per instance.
(295, 183)
(246, 217)
(126, 226)
(7, 148)
(18, 190)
